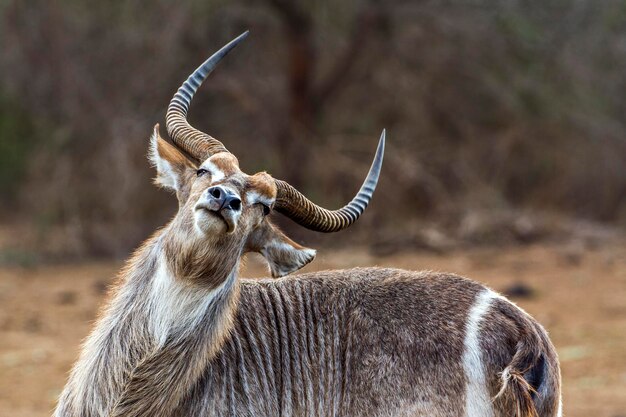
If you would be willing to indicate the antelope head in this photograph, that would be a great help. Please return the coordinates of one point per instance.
(223, 212)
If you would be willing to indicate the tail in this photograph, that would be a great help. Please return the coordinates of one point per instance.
(532, 379)
(515, 384)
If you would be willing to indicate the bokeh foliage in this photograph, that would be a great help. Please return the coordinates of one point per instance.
(490, 106)
(18, 135)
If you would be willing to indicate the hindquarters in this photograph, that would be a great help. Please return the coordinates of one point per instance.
(439, 345)
(521, 368)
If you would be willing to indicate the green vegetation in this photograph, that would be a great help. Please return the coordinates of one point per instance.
(18, 137)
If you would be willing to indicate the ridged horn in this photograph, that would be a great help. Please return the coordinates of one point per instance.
(197, 144)
(293, 204)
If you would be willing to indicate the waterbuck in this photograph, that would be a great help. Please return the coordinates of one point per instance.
(183, 335)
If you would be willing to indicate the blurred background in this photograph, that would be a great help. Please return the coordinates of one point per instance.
(505, 160)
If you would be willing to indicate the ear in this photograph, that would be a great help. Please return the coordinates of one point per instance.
(282, 254)
(174, 169)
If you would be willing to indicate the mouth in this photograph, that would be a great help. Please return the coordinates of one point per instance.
(224, 215)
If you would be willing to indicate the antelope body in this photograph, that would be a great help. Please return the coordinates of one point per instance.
(183, 335)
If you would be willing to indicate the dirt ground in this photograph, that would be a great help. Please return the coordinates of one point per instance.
(579, 295)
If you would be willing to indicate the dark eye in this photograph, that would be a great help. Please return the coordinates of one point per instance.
(266, 210)
(201, 172)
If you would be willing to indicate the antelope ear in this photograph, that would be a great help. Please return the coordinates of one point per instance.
(174, 169)
(282, 254)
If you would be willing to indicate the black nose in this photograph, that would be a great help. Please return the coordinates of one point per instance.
(226, 198)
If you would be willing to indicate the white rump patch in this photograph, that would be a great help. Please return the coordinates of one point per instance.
(477, 399)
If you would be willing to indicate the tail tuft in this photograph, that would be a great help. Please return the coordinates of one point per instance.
(521, 391)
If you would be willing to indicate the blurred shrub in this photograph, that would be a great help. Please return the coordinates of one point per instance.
(489, 105)
(18, 135)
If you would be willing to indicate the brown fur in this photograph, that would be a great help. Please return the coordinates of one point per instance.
(263, 183)
(197, 262)
(527, 352)
(183, 335)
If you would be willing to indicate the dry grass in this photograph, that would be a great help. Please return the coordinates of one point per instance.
(580, 296)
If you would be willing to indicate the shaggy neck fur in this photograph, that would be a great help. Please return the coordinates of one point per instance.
(205, 262)
(165, 321)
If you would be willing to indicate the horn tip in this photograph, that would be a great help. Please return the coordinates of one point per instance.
(381, 142)
(232, 44)
(241, 37)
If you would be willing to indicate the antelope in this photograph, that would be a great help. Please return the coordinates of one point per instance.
(183, 335)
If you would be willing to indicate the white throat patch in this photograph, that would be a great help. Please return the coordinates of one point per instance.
(174, 305)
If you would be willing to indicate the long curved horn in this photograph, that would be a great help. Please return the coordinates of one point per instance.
(300, 209)
(197, 144)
